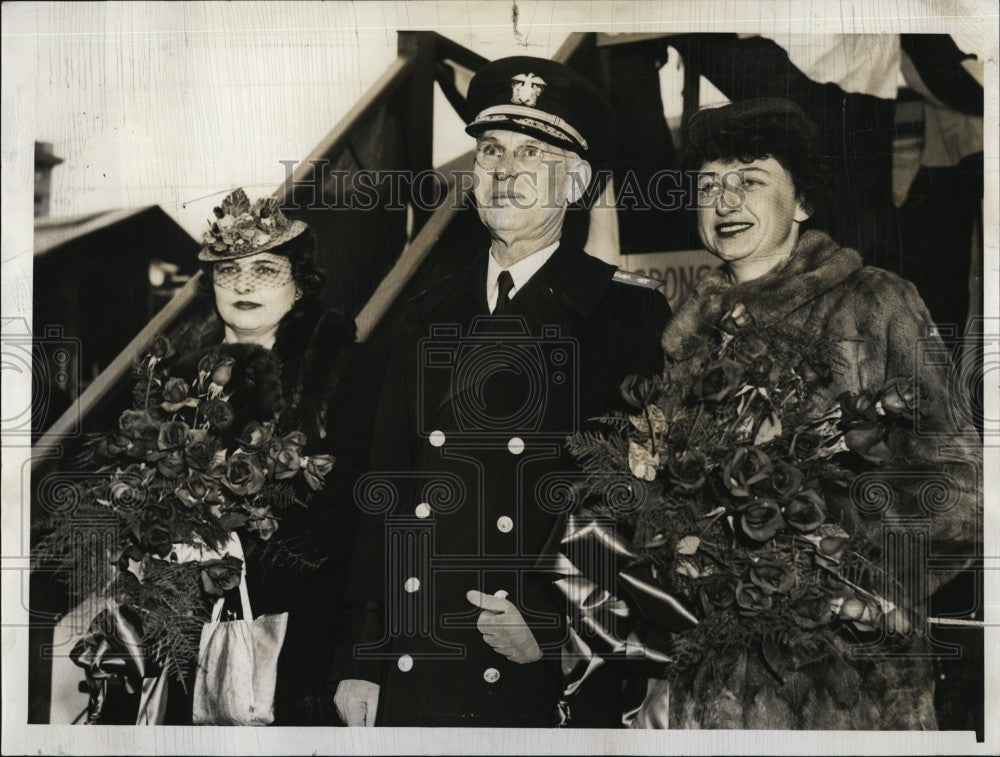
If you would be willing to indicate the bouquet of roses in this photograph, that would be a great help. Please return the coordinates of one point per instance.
(168, 486)
(743, 462)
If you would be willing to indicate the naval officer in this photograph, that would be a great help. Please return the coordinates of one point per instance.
(492, 368)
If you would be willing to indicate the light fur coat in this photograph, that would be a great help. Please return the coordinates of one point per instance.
(881, 329)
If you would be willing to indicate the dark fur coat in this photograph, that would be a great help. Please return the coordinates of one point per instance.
(310, 382)
(880, 328)
(292, 383)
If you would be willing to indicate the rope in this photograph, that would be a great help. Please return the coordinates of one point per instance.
(956, 622)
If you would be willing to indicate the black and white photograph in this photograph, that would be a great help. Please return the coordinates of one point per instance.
(500, 377)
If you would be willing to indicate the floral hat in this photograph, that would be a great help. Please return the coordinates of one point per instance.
(241, 229)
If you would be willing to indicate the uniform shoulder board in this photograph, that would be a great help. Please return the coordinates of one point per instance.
(636, 279)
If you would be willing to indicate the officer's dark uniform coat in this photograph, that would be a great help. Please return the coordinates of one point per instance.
(469, 439)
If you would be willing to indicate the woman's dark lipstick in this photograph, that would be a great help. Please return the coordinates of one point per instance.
(244, 305)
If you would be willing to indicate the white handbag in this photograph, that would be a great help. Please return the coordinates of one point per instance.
(238, 666)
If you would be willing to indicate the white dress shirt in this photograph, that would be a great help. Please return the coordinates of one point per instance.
(521, 272)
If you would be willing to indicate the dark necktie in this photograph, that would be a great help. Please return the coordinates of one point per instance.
(505, 282)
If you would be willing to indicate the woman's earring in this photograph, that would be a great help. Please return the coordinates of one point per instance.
(298, 294)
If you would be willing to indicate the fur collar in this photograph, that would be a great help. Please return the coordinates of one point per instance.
(295, 380)
(816, 265)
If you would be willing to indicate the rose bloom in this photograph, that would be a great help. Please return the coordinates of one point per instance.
(746, 467)
(857, 407)
(220, 414)
(805, 445)
(736, 320)
(761, 519)
(717, 591)
(868, 441)
(316, 470)
(287, 464)
(805, 511)
(175, 394)
(155, 529)
(141, 432)
(718, 381)
(254, 435)
(173, 434)
(243, 475)
(901, 397)
(262, 522)
(201, 454)
(223, 371)
(196, 488)
(687, 470)
(772, 577)
(161, 348)
(639, 391)
(830, 541)
(132, 421)
(786, 479)
(295, 439)
(752, 599)
(219, 576)
(811, 609)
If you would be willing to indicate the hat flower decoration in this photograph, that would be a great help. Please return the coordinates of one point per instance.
(242, 228)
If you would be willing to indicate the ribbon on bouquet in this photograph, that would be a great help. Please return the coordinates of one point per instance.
(583, 558)
(112, 648)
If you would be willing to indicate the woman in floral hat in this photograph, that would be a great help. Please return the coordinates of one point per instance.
(283, 358)
(249, 419)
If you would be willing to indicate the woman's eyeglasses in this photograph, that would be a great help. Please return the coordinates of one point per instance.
(526, 157)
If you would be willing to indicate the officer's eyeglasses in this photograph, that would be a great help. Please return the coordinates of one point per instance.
(526, 157)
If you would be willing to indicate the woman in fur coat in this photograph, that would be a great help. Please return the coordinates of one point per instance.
(293, 362)
(758, 183)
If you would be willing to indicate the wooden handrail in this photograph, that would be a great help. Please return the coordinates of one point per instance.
(463, 56)
(571, 45)
(413, 254)
(118, 368)
(394, 75)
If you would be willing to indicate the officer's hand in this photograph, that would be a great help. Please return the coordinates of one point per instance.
(504, 629)
(356, 701)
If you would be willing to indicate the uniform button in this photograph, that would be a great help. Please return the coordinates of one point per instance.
(404, 663)
(412, 584)
(436, 438)
(515, 445)
(504, 524)
(501, 594)
(423, 510)
(491, 675)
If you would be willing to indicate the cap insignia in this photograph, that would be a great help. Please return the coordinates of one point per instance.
(526, 88)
